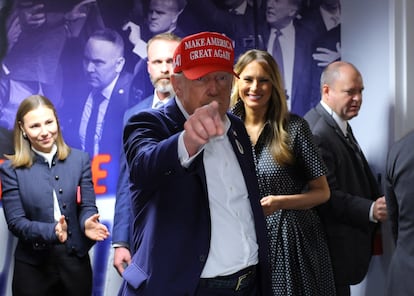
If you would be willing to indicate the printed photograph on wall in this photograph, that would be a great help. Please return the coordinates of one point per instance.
(89, 58)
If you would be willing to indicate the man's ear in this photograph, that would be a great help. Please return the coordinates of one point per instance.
(120, 64)
(175, 81)
(325, 90)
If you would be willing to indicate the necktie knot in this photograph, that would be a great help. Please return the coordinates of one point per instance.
(278, 33)
(98, 98)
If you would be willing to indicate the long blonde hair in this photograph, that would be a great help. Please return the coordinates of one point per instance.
(23, 155)
(277, 112)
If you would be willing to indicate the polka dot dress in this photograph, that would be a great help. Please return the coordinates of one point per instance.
(299, 253)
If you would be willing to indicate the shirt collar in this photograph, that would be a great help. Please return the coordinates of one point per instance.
(339, 121)
(156, 99)
(47, 155)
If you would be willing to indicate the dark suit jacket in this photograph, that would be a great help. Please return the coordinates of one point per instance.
(171, 226)
(301, 77)
(111, 140)
(122, 215)
(6, 142)
(353, 189)
(28, 204)
(399, 192)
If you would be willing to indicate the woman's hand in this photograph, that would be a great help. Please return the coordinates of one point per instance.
(61, 229)
(270, 204)
(94, 229)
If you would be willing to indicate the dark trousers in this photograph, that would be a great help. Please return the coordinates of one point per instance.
(242, 283)
(61, 274)
(343, 290)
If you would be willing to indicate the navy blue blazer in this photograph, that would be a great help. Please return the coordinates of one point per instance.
(122, 215)
(171, 223)
(399, 192)
(353, 189)
(28, 204)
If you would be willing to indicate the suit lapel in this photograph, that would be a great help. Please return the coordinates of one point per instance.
(332, 123)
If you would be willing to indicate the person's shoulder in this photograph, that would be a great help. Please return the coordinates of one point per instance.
(407, 138)
(313, 116)
(404, 143)
(311, 112)
(293, 117)
(125, 76)
(76, 153)
(146, 116)
(144, 104)
(5, 164)
(296, 120)
(122, 86)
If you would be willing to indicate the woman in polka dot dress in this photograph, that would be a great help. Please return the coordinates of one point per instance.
(291, 178)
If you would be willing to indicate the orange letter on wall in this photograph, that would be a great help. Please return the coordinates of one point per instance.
(98, 174)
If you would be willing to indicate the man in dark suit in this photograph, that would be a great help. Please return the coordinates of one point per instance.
(198, 227)
(289, 40)
(93, 122)
(351, 216)
(399, 192)
(160, 52)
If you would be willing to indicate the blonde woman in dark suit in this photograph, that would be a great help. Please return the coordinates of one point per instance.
(49, 205)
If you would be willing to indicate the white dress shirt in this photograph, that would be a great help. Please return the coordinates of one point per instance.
(49, 157)
(233, 244)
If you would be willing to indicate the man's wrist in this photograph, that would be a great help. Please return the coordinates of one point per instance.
(120, 245)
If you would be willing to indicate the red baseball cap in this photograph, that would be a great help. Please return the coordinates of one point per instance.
(203, 53)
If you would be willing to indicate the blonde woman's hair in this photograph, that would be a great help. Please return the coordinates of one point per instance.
(277, 112)
(23, 154)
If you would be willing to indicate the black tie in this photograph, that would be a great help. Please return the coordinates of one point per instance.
(277, 52)
(92, 122)
(354, 144)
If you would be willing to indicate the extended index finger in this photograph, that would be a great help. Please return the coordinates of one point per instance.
(215, 115)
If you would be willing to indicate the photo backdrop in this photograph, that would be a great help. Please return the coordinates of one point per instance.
(46, 40)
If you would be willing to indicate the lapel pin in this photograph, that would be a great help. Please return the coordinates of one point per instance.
(239, 146)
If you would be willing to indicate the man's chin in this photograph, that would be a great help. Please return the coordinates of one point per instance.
(351, 115)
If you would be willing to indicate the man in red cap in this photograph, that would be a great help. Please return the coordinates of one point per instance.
(198, 227)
